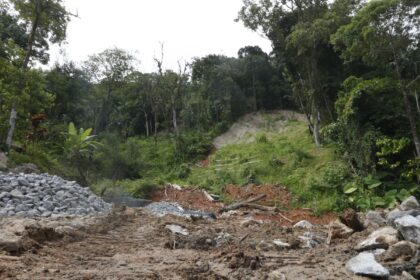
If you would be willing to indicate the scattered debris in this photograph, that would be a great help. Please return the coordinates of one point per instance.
(237, 205)
(161, 209)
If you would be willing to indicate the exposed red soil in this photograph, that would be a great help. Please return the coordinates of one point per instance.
(295, 215)
(278, 196)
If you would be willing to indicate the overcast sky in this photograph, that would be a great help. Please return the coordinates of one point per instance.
(188, 28)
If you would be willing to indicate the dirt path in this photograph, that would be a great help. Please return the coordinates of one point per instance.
(140, 247)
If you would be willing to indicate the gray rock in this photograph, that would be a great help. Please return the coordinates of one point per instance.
(401, 249)
(409, 227)
(407, 276)
(396, 214)
(410, 203)
(365, 264)
(379, 239)
(17, 194)
(374, 219)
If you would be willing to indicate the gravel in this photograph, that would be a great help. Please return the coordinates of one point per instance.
(42, 195)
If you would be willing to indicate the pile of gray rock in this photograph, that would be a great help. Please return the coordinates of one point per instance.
(394, 239)
(42, 195)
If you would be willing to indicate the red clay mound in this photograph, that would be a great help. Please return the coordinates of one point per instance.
(275, 195)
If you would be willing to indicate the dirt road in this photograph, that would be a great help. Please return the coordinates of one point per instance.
(139, 246)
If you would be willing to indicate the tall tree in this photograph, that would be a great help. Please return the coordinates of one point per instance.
(46, 23)
(108, 70)
(385, 34)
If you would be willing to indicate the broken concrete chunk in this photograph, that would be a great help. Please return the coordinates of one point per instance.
(281, 244)
(365, 264)
(176, 229)
(304, 224)
(409, 227)
(379, 239)
(410, 203)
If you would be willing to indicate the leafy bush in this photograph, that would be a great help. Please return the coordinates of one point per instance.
(262, 138)
(192, 146)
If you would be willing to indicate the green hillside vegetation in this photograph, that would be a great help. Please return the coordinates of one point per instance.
(314, 175)
(350, 68)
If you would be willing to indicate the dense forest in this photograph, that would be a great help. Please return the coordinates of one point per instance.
(351, 67)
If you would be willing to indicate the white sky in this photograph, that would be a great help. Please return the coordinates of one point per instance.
(188, 28)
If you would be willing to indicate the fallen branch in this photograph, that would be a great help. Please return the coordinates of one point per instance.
(242, 203)
(260, 207)
(208, 196)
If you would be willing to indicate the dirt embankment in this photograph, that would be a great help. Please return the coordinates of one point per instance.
(247, 127)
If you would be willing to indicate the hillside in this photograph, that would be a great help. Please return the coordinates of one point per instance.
(277, 149)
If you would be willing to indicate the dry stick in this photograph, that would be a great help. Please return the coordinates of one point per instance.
(260, 207)
(242, 203)
(284, 217)
(243, 238)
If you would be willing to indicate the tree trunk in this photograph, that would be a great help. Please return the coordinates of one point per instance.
(12, 123)
(412, 120)
(417, 102)
(146, 124)
(316, 127)
(174, 120)
(410, 114)
(31, 41)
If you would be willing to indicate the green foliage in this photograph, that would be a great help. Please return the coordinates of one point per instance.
(78, 150)
(192, 145)
(369, 192)
(136, 188)
(40, 156)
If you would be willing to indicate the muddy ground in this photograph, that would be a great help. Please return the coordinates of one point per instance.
(133, 244)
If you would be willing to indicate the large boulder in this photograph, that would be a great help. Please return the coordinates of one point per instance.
(379, 239)
(365, 264)
(409, 227)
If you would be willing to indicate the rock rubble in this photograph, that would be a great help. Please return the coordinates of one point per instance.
(42, 195)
